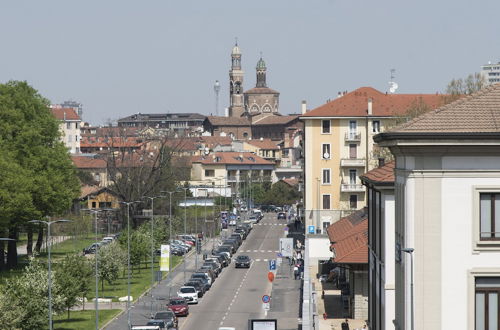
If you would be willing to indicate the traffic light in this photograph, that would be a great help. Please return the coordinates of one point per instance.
(198, 246)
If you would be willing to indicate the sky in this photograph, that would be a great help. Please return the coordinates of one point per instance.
(120, 57)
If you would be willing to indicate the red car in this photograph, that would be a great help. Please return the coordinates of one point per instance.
(179, 306)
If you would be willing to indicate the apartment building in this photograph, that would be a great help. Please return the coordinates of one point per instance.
(447, 192)
(381, 242)
(69, 127)
(491, 73)
(339, 148)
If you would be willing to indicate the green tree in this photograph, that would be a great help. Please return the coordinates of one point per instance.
(24, 299)
(74, 276)
(111, 259)
(29, 135)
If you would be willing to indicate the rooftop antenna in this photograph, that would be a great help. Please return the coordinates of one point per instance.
(393, 86)
(217, 90)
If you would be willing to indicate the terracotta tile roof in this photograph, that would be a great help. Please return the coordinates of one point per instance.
(380, 175)
(212, 141)
(274, 120)
(104, 142)
(291, 182)
(228, 121)
(261, 90)
(86, 190)
(65, 113)
(185, 144)
(355, 104)
(88, 162)
(266, 144)
(350, 235)
(231, 158)
(476, 113)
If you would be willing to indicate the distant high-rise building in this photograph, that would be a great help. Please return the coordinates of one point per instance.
(491, 73)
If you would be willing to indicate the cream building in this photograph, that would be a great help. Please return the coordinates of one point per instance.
(69, 127)
(339, 148)
(447, 192)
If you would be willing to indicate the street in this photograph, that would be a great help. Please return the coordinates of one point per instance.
(236, 295)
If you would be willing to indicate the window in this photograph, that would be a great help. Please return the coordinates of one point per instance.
(487, 303)
(353, 128)
(76, 125)
(489, 213)
(70, 138)
(209, 172)
(376, 126)
(94, 204)
(325, 126)
(353, 202)
(326, 176)
(76, 138)
(353, 151)
(325, 151)
(326, 202)
(352, 176)
(104, 205)
(68, 125)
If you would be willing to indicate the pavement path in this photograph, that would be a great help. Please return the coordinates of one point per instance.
(54, 240)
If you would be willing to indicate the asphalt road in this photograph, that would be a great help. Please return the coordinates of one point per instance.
(236, 295)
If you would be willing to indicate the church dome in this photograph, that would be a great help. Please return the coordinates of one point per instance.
(236, 50)
(261, 65)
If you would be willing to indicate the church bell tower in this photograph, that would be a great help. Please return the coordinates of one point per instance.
(236, 106)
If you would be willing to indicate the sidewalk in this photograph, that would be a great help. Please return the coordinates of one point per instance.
(285, 298)
(331, 304)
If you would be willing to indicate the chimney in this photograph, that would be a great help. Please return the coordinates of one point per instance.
(370, 106)
(303, 107)
(339, 94)
(381, 161)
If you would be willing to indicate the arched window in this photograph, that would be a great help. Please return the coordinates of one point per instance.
(245, 135)
(254, 108)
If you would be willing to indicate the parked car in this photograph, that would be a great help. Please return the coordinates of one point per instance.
(198, 286)
(179, 306)
(242, 231)
(203, 276)
(202, 281)
(212, 266)
(168, 317)
(238, 237)
(155, 324)
(92, 248)
(208, 270)
(220, 258)
(231, 242)
(224, 248)
(189, 293)
(216, 262)
(281, 216)
(242, 261)
(225, 255)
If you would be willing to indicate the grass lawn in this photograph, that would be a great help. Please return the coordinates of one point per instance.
(83, 320)
(139, 282)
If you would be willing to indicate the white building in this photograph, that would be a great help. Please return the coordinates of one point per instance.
(381, 297)
(491, 72)
(447, 184)
(69, 127)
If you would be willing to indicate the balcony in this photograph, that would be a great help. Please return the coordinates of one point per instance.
(352, 188)
(352, 137)
(232, 179)
(353, 162)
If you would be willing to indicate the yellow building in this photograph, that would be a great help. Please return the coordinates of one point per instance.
(338, 148)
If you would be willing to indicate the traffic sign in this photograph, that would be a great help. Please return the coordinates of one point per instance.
(286, 246)
(270, 276)
(311, 229)
(272, 264)
(266, 306)
(286, 228)
(266, 299)
(279, 255)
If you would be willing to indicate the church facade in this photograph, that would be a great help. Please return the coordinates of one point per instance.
(255, 103)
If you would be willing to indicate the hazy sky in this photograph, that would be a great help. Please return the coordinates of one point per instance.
(122, 57)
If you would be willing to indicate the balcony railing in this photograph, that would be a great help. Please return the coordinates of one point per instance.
(352, 137)
(352, 162)
(352, 187)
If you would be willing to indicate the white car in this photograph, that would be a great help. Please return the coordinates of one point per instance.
(189, 293)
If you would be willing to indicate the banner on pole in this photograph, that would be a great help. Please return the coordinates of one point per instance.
(165, 258)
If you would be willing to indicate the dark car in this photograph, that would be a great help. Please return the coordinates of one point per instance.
(168, 317)
(204, 276)
(242, 261)
(242, 231)
(224, 248)
(198, 286)
(91, 249)
(212, 266)
(208, 270)
(281, 216)
(203, 282)
(237, 237)
(179, 306)
(222, 259)
(233, 243)
(159, 323)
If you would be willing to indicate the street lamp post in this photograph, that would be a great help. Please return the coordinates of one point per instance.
(170, 234)
(128, 259)
(410, 252)
(49, 223)
(152, 247)
(185, 229)
(196, 228)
